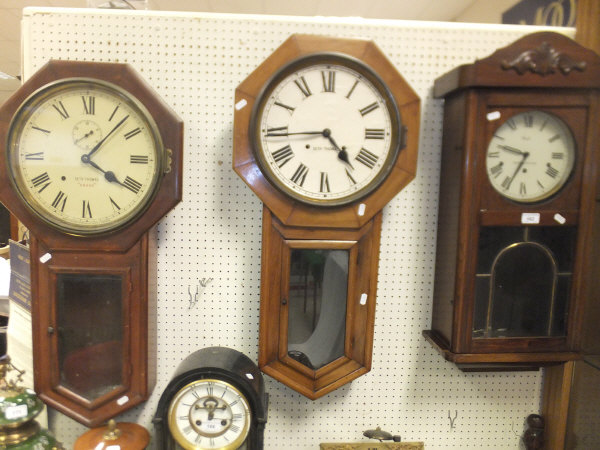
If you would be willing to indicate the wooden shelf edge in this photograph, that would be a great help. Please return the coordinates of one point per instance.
(473, 362)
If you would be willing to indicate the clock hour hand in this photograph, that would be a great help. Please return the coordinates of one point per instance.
(109, 175)
(99, 144)
(342, 153)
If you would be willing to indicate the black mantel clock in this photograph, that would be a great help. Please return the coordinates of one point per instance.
(216, 399)
(519, 185)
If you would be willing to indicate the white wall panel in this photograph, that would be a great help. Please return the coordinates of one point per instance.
(195, 61)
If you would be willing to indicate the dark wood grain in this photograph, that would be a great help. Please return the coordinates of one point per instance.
(468, 202)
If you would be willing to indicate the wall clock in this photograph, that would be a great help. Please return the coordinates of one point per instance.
(215, 400)
(92, 161)
(517, 195)
(325, 134)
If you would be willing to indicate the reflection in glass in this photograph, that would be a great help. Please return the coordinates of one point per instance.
(318, 288)
(90, 341)
(523, 281)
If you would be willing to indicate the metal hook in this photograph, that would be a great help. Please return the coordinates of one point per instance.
(194, 299)
(452, 419)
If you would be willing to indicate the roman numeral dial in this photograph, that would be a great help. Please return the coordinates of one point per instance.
(327, 131)
(87, 158)
(530, 156)
(209, 413)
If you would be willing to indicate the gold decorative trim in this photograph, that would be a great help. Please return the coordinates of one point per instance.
(543, 61)
(375, 446)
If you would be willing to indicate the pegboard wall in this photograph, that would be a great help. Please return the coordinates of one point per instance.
(211, 241)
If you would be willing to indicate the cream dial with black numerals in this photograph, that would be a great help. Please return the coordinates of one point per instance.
(84, 155)
(530, 156)
(209, 414)
(326, 130)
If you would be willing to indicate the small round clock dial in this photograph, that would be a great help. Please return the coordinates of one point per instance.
(209, 414)
(84, 155)
(326, 130)
(530, 156)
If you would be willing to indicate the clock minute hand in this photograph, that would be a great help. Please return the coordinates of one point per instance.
(99, 144)
(508, 148)
(286, 133)
(525, 156)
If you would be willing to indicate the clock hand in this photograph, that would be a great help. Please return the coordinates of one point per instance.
(285, 133)
(88, 134)
(508, 148)
(99, 144)
(342, 153)
(108, 175)
(525, 156)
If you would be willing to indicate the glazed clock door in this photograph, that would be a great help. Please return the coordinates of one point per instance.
(89, 332)
(317, 313)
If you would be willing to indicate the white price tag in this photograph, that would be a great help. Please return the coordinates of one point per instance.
(15, 412)
(530, 218)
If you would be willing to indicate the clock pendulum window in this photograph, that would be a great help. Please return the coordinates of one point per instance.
(325, 134)
(519, 185)
(92, 160)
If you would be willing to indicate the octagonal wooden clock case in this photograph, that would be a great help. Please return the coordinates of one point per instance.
(91, 159)
(325, 134)
(519, 185)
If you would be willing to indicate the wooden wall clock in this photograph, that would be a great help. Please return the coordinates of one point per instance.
(517, 197)
(325, 134)
(91, 160)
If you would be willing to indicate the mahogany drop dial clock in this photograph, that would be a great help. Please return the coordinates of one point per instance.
(325, 134)
(84, 156)
(518, 191)
(92, 161)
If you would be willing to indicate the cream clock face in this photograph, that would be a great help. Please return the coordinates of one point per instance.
(326, 130)
(530, 156)
(209, 414)
(84, 155)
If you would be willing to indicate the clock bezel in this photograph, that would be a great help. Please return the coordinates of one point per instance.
(340, 59)
(39, 98)
(564, 180)
(178, 435)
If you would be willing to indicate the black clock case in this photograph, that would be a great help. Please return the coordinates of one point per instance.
(225, 364)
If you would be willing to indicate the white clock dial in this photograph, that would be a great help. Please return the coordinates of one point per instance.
(530, 156)
(209, 414)
(84, 155)
(326, 130)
